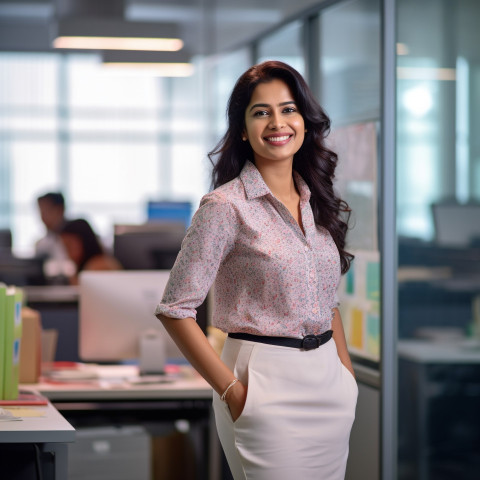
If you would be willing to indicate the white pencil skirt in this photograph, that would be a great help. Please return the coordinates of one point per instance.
(298, 414)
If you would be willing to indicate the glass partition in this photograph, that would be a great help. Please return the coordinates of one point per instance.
(438, 224)
(349, 90)
(349, 43)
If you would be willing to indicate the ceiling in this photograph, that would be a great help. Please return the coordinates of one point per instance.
(206, 26)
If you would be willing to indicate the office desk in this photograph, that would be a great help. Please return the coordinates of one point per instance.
(435, 298)
(425, 352)
(49, 431)
(112, 399)
(117, 382)
(423, 363)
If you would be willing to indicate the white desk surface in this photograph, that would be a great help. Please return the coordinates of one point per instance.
(118, 383)
(51, 427)
(457, 351)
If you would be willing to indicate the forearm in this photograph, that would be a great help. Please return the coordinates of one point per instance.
(197, 350)
(340, 341)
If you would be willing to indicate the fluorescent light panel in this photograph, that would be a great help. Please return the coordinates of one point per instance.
(426, 73)
(153, 69)
(115, 34)
(121, 56)
(402, 49)
(165, 64)
(119, 43)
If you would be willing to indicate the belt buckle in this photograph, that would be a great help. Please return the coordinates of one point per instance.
(310, 342)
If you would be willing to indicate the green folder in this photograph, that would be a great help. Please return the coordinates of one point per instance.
(3, 298)
(13, 335)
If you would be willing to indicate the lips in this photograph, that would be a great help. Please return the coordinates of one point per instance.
(278, 139)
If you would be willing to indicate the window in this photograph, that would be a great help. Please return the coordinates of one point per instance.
(110, 143)
(286, 45)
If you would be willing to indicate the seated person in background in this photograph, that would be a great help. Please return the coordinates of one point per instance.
(84, 248)
(52, 212)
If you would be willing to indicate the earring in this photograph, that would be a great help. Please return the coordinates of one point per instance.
(244, 138)
(306, 130)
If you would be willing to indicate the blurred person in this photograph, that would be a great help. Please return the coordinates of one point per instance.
(52, 212)
(84, 249)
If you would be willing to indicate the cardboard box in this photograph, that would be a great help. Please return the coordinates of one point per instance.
(3, 323)
(31, 346)
(173, 457)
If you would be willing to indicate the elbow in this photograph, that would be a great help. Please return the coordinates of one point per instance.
(164, 319)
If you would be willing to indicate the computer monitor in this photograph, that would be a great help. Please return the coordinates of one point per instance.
(170, 211)
(116, 309)
(456, 224)
(5, 241)
(148, 246)
(22, 271)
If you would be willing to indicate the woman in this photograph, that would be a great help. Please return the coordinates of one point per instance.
(84, 249)
(271, 237)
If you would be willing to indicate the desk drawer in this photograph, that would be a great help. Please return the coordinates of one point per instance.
(110, 453)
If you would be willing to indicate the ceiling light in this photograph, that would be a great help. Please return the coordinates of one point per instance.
(426, 73)
(165, 64)
(418, 100)
(115, 34)
(119, 43)
(402, 49)
(152, 69)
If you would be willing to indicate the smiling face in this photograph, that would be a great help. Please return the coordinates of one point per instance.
(273, 125)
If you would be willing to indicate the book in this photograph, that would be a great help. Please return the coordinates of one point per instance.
(3, 297)
(13, 335)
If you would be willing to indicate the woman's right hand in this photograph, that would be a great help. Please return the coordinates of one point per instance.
(236, 398)
(193, 343)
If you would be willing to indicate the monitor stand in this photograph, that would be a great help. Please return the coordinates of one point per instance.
(153, 353)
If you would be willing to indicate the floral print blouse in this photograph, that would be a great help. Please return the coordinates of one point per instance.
(269, 277)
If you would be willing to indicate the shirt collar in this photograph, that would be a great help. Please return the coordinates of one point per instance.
(256, 187)
(302, 186)
(253, 181)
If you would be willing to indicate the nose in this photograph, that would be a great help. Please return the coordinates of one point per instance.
(276, 122)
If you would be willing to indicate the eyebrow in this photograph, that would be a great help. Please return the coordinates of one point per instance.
(267, 105)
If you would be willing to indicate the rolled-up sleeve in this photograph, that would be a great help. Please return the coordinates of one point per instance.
(208, 241)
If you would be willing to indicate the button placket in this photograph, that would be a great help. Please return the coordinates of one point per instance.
(310, 279)
(288, 217)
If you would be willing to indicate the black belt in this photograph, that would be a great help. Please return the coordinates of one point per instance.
(309, 342)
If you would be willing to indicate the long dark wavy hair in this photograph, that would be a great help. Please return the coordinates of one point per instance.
(90, 244)
(314, 161)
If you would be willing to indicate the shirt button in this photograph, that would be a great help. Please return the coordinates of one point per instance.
(307, 248)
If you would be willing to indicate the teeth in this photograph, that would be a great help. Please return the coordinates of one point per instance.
(278, 139)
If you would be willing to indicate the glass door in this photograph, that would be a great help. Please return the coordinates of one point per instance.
(438, 228)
